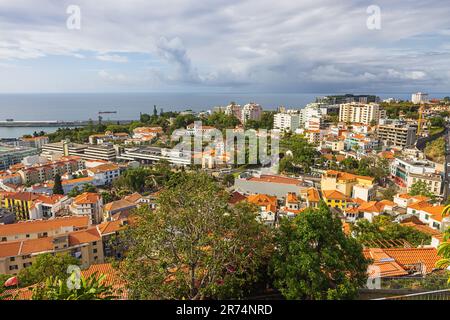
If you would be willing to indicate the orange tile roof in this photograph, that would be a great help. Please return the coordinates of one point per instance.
(291, 197)
(38, 226)
(21, 196)
(87, 198)
(334, 195)
(118, 205)
(275, 179)
(411, 256)
(422, 228)
(135, 197)
(84, 236)
(109, 227)
(264, 200)
(23, 247)
(112, 278)
(313, 195)
(104, 168)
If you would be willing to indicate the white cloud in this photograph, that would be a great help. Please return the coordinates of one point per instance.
(253, 44)
(112, 58)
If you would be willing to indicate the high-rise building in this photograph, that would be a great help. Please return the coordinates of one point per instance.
(419, 97)
(286, 121)
(251, 111)
(234, 110)
(360, 113)
(397, 134)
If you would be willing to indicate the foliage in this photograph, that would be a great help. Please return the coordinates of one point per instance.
(57, 187)
(420, 188)
(46, 265)
(91, 288)
(389, 192)
(228, 180)
(193, 246)
(315, 260)
(435, 150)
(303, 153)
(383, 228)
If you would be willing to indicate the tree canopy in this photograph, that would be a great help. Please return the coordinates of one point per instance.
(314, 259)
(193, 246)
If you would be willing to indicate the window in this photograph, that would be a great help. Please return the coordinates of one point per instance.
(4, 239)
(12, 259)
(13, 267)
(94, 251)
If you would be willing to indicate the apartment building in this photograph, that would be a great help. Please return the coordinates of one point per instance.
(419, 97)
(34, 142)
(104, 174)
(286, 121)
(402, 168)
(397, 134)
(10, 155)
(88, 204)
(359, 112)
(349, 184)
(107, 152)
(37, 229)
(85, 245)
(251, 111)
(432, 180)
(64, 148)
(43, 172)
(234, 110)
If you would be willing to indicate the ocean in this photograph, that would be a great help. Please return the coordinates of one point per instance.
(85, 106)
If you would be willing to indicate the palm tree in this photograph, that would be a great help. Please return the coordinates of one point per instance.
(90, 288)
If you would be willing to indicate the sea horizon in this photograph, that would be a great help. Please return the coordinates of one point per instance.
(128, 106)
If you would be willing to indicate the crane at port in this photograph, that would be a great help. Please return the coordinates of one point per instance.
(100, 113)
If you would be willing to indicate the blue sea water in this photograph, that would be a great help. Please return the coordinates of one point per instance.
(84, 106)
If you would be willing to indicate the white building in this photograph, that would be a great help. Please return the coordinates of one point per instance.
(251, 111)
(359, 112)
(311, 110)
(286, 121)
(419, 97)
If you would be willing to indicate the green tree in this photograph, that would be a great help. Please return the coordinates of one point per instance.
(228, 180)
(74, 192)
(46, 265)
(193, 246)
(303, 153)
(389, 192)
(93, 287)
(315, 260)
(420, 188)
(383, 229)
(57, 187)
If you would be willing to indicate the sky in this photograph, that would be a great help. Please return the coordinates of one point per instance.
(283, 46)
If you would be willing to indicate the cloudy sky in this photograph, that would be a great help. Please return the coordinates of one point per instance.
(225, 46)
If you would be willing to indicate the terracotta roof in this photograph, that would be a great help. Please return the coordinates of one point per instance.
(109, 227)
(236, 197)
(23, 247)
(334, 195)
(119, 205)
(422, 228)
(275, 179)
(313, 195)
(270, 202)
(87, 198)
(135, 197)
(104, 168)
(112, 278)
(84, 236)
(38, 226)
(411, 256)
(22, 196)
(291, 197)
